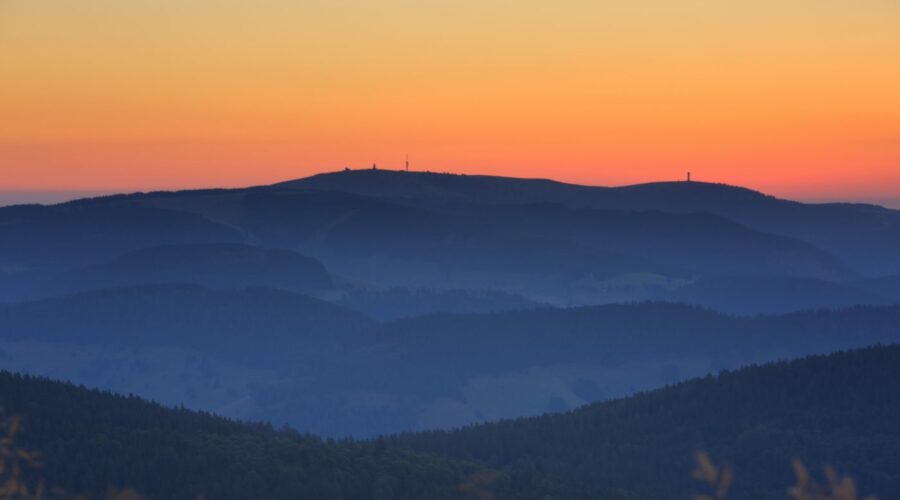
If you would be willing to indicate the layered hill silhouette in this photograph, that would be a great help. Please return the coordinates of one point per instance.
(447, 370)
(38, 237)
(546, 241)
(255, 326)
(226, 266)
(397, 303)
(364, 302)
(778, 294)
(288, 358)
(867, 237)
(823, 409)
(505, 338)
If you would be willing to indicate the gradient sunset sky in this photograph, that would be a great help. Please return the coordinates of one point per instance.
(799, 98)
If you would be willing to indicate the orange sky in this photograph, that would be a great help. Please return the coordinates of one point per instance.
(795, 97)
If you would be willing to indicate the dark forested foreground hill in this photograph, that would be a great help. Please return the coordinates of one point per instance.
(89, 441)
(840, 409)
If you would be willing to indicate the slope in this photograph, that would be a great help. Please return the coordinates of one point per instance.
(839, 409)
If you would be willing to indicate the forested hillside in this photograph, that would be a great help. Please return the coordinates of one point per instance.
(90, 441)
(840, 409)
(822, 410)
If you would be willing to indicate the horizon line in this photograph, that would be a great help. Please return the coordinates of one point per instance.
(49, 196)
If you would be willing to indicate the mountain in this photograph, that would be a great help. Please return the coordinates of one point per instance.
(885, 286)
(447, 370)
(822, 410)
(215, 299)
(866, 237)
(214, 265)
(396, 303)
(254, 325)
(772, 294)
(87, 231)
(223, 351)
(288, 358)
(545, 252)
(39, 242)
(839, 409)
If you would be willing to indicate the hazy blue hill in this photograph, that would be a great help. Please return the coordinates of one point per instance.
(866, 236)
(334, 225)
(346, 224)
(213, 265)
(38, 242)
(839, 409)
(564, 251)
(696, 242)
(886, 286)
(772, 294)
(257, 326)
(454, 345)
(70, 234)
(294, 359)
(446, 370)
(398, 303)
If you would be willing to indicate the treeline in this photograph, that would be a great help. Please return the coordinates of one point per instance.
(89, 441)
(840, 409)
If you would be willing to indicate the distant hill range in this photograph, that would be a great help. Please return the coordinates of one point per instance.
(285, 357)
(546, 241)
(866, 237)
(391, 301)
(216, 265)
(840, 410)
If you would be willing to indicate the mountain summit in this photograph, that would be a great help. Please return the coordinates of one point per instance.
(866, 237)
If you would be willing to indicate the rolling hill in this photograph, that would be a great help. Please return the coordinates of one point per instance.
(214, 265)
(773, 294)
(546, 250)
(254, 326)
(262, 353)
(822, 409)
(90, 442)
(866, 237)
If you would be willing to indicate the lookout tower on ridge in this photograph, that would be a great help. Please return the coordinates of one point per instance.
(688, 177)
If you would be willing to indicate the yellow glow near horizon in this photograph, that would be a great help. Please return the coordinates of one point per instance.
(798, 97)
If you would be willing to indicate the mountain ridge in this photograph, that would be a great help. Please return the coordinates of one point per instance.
(866, 236)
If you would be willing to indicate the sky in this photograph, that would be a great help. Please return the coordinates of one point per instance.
(798, 98)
